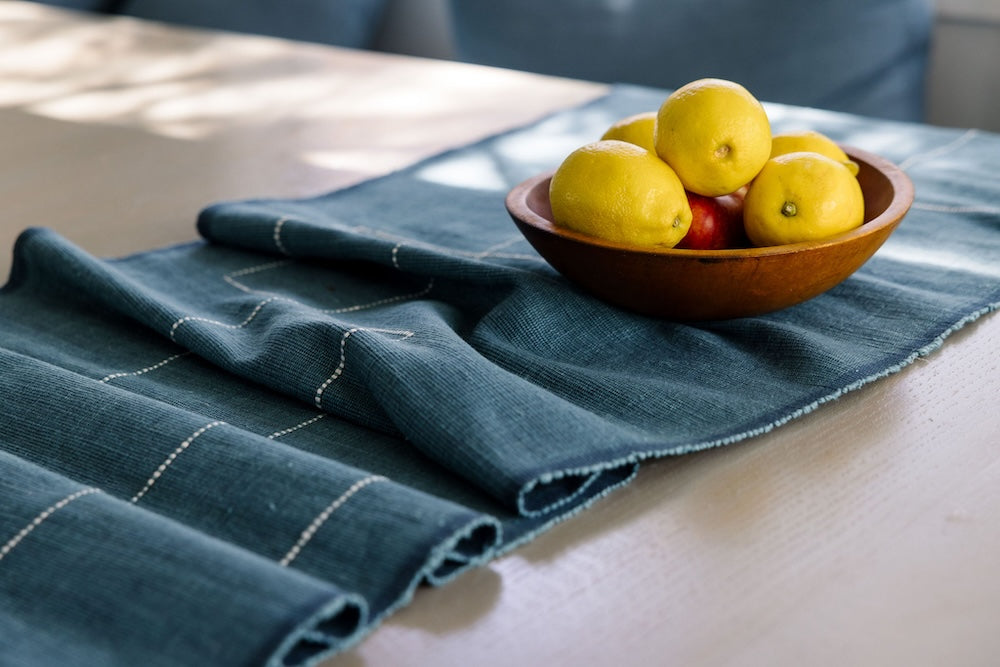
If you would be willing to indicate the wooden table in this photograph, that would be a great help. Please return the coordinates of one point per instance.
(865, 533)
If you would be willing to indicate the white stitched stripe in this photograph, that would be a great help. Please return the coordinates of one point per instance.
(256, 268)
(503, 244)
(321, 518)
(455, 252)
(338, 371)
(381, 302)
(313, 420)
(141, 371)
(192, 318)
(256, 311)
(231, 277)
(42, 516)
(318, 399)
(934, 152)
(162, 468)
(942, 208)
(277, 236)
(395, 255)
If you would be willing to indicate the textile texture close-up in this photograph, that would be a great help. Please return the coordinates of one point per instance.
(252, 448)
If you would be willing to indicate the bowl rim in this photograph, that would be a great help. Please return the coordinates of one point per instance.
(902, 198)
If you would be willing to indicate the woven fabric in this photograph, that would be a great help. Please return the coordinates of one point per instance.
(251, 449)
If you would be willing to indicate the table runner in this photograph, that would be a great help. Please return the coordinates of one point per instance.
(253, 448)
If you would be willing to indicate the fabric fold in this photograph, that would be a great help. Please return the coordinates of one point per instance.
(102, 581)
(391, 366)
(169, 460)
(288, 427)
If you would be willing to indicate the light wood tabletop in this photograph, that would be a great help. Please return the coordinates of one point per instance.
(864, 533)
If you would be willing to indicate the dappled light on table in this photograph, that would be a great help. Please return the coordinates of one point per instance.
(146, 124)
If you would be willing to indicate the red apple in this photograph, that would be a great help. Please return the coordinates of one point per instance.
(716, 223)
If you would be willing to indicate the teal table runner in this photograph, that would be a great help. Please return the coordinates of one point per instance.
(253, 448)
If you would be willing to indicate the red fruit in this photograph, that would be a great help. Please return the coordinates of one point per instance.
(717, 223)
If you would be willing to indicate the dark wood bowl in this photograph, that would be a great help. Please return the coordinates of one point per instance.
(691, 285)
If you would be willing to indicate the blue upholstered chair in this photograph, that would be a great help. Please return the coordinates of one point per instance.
(83, 5)
(863, 56)
(352, 23)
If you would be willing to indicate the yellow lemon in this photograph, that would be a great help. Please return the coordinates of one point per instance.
(636, 129)
(810, 140)
(802, 196)
(715, 135)
(620, 192)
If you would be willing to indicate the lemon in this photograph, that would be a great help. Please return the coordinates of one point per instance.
(620, 192)
(636, 129)
(714, 134)
(802, 196)
(810, 140)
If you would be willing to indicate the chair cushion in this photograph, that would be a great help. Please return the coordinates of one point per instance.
(863, 56)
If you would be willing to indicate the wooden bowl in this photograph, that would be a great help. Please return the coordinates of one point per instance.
(690, 285)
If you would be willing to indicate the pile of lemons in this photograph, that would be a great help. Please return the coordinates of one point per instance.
(710, 137)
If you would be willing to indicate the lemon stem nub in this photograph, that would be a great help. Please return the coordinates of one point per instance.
(722, 151)
(788, 209)
(677, 222)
